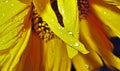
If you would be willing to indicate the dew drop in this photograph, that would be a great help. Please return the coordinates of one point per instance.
(77, 32)
(105, 13)
(70, 33)
(3, 14)
(61, 33)
(59, 28)
(6, 1)
(62, 28)
(77, 44)
(2, 41)
(87, 66)
(12, 5)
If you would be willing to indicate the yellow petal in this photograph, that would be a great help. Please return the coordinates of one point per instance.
(92, 58)
(88, 62)
(109, 16)
(48, 15)
(113, 2)
(11, 44)
(26, 1)
(70, 19)
(31, 59)
(14, 7)
(98, 41)
(55, 56)
(80, 63)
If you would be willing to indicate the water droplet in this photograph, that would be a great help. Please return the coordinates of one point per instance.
(59, 28)
(24, 29)
(70, 33)
(52, 20)
(62, 11)
(61, 33)
(77, 44)
(62, 28)
(12, 4)
(2, 41)
(77, 32)
(105, 13)
(87, 66)
(6, 1)
(3, 14)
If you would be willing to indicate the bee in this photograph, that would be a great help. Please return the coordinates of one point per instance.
(40, 27)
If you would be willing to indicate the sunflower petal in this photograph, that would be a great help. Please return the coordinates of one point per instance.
(31, 59)
(11, 44)
(55, 56)
(48, 15)
(92, 59)
(104, 47)
(114, 2)
(80, 63)
(109, 17)
(26, 1)
(70, 18)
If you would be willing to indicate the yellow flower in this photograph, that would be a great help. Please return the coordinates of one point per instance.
(56, 35)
